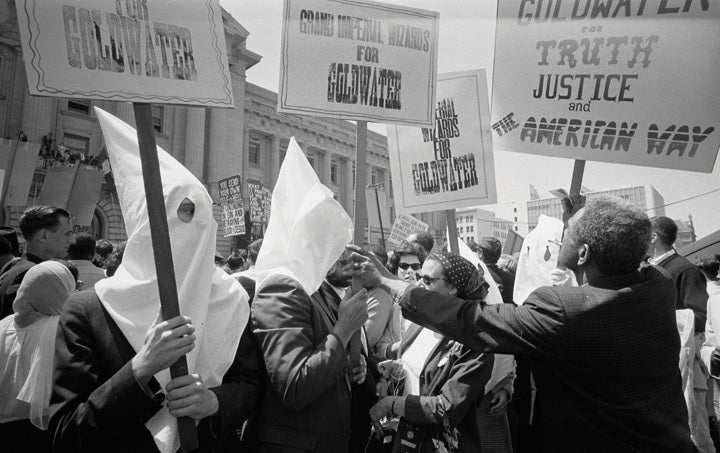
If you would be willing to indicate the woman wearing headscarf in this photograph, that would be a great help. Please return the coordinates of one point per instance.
(26, 356)
(444, 381)
(112, 389)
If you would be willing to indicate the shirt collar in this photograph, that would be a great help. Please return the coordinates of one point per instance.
(339, 291)
(662, 257)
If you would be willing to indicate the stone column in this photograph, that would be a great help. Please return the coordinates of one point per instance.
(348, 187)
(37, 118)
(126, 112)
(245, 161)
(273, 161)
(195, 141)
(326, 158)
(216, 149)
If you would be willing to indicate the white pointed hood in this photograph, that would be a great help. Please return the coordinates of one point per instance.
(308, 229)
(215, 302)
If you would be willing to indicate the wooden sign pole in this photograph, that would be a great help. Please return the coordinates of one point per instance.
(577, 177)
(575, 186)
(161, 249)
(452, 231)
(360, 217)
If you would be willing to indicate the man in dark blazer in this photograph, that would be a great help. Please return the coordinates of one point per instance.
(48, 233)
(604, 355)
(691, 291)
(99, 403)
(308, 393)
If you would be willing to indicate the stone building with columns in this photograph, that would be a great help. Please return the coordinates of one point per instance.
(249, 140)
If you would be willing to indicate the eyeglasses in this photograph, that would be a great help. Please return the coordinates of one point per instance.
(413, 266)
(429, 280)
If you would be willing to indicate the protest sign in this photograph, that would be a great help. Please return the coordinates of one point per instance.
(233, 215)
(623, 82)
(358, 60)
(19, 160)
(404, 226)
(85, 195)
(260, 198)
(450, 165)
(138, 51)
(75, 188)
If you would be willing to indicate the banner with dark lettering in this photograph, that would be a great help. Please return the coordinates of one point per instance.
(126, 50)
(358, 60)
(233, 212)
(260, 198)
(611, 81)
(450, 165)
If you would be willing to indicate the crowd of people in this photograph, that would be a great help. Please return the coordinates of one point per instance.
(429, 352)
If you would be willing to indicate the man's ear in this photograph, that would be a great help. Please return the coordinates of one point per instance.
(453, 290)
(583, 255)
(41, 235)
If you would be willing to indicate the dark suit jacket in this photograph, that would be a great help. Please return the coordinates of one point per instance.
(97, 404)
(10, 281)
(456, 376)
(307, 402)
(604, 357)
(691, 287)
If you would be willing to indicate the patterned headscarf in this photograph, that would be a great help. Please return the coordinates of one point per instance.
(463, 275)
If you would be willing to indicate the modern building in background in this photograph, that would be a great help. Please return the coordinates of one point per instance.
(643, 197)
(249, 140)
(476, 223)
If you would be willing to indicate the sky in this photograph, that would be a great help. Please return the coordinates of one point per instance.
(467, 41)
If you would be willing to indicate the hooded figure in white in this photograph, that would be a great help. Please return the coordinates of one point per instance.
(215, 303)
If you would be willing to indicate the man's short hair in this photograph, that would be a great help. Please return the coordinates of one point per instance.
(617, 233)
(425, 239)
(8, 233)
(38, 218)
(253, 250)
(103, 248)
(491, 249)
(665, 228)
(235, 262)
(83, 248)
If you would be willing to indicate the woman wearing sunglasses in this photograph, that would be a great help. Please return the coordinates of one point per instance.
(406, 261)
(444, 381)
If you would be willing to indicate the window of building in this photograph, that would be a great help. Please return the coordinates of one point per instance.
(516, 228)
(76, 143)
(516, 219)
(460, 230)
(333, 172)
(79, 106)
(254, 153)
(158, 118)
(390, 188)
(374, 177)
(515, 210)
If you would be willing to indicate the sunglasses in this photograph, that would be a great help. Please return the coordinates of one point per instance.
(429, 280)
(413, 266)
